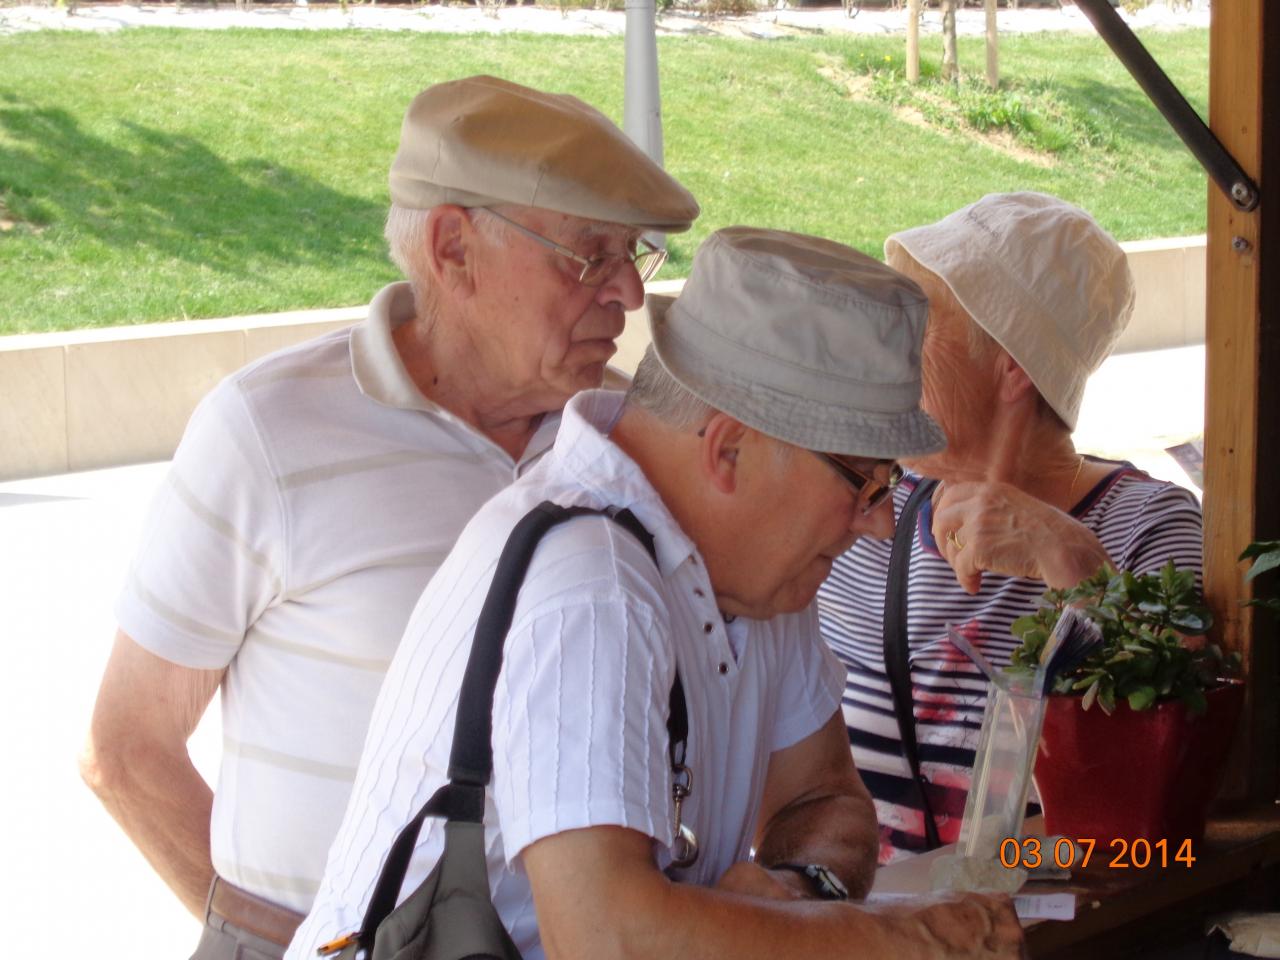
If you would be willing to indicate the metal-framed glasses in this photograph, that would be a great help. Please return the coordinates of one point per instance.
(600, 268)
(873, 488)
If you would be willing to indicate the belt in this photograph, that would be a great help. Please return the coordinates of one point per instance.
(251, 913)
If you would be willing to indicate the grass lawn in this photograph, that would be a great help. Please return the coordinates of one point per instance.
(161, 174)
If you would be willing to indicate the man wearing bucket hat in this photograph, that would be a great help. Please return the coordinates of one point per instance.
(757, 442)
(1027, 297)
(317, 490)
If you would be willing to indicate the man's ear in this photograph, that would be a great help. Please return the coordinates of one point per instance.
(1014, 384)
(449, 247)
(721, 440)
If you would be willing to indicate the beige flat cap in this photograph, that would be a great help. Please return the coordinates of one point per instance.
(482, 141)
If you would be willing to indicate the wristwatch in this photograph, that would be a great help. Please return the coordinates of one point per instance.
(826, 885)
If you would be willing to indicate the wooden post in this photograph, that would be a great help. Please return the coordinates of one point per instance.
(1242, 367)
(950, 61)
(993, 47)
(913, 41)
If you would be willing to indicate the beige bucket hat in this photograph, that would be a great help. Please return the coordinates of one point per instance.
(1038, 274)
(803, 339)
(482, 141)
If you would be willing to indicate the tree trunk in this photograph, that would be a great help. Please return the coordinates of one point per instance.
(913, 41)
(993, 47)
(950, 64)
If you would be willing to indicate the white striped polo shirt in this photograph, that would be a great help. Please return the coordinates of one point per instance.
(1142, 523)
(580, 711)
(314, 494)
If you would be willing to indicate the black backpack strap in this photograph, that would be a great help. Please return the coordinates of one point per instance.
(471, 757)
(896, 650)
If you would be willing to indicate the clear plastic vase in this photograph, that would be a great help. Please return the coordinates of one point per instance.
(997, 800)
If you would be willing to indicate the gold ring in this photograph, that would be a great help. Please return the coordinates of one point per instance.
(954, 540)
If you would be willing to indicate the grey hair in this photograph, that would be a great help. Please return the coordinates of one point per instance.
(406, 233)
(659, 394)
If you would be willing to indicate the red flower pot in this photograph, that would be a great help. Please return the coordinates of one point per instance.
(1145, 773)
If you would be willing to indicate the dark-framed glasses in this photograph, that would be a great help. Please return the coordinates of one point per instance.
(873, 488)
(600, 268)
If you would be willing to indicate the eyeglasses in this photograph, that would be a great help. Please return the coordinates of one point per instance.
(873, 490)
(600, 268)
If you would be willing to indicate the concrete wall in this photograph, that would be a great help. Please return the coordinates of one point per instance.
(1170, 277)
(97, 398)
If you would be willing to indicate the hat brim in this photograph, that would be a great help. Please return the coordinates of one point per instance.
(812, 424)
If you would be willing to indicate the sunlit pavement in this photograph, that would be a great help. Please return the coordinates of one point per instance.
(779, 18)
(71, 884)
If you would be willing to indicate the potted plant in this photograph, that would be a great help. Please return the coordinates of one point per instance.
(1136, 733)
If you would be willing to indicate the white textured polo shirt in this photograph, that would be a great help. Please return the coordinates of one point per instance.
(313, 496)
(580, 711)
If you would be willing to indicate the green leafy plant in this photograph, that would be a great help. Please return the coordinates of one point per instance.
(1144, 657)
(1265, 555)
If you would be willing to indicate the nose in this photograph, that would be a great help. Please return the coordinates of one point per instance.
(624, 288)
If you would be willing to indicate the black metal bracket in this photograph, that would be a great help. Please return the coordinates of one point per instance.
(1200, 140)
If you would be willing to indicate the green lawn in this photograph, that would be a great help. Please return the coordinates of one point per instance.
(155, 174)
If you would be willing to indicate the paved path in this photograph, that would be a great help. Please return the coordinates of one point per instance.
(70, 878)
(780, 22)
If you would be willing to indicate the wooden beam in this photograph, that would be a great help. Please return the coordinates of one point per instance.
(1242, 368)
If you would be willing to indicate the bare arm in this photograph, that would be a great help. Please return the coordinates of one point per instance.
(136, 761)
(997, 527)
(816, 810)
(598, 894)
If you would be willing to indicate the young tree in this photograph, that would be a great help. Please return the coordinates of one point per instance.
(913, 41)
(950, 62)
(993, 46)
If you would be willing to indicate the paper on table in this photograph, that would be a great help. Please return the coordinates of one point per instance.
(1253, 935)
(1029, 906)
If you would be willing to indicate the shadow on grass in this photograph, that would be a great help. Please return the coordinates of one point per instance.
(156, 190)
(1126, 107)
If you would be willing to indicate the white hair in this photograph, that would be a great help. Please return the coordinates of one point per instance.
(406, 233)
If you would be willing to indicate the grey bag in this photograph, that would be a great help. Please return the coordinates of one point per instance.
(451, 916)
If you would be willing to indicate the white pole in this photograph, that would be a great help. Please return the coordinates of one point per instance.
(642, 104)
(641, 101)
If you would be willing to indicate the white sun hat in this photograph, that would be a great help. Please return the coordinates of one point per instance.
(1038, 274)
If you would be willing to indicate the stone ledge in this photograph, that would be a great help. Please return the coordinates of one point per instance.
(85, 399)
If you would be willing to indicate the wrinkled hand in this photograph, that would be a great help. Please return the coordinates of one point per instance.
(753, 880)
(984, 525)
(968, 926)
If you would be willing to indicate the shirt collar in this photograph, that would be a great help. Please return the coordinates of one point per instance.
(382, 377)
(586, 455)
(375, 362)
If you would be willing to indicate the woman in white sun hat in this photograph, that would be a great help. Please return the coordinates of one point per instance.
(1027, 297)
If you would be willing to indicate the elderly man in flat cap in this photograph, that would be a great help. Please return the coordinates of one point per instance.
(316, 492)
(756, 444)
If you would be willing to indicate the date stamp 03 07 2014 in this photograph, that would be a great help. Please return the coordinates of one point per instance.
(1065, 853)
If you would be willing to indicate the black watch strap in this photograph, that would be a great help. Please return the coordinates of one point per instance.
(826, 885)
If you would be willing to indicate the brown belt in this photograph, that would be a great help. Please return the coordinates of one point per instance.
(252, 913)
